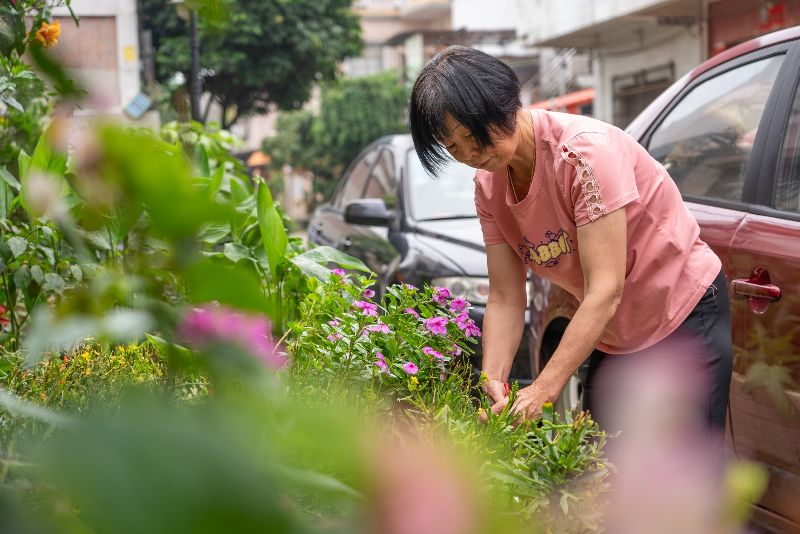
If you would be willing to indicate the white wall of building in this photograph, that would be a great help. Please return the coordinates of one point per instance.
(679, 46)
(545, 19)
(125, 80)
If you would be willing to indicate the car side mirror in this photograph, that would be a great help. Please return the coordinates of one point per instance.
(369, 212)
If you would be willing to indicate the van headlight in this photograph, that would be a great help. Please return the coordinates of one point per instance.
(472, 288)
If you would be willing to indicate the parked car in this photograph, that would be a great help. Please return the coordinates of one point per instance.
(408, 227)
(729, 135)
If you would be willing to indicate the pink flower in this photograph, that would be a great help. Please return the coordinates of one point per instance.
(201, 327)
(440, 294)
(383, 328)
(410, 287)
(458, 304)
(437, 325)
(411, 311)
(339, 272)
(368, 293)
(410, 368)
(367, 308)
(380, 363)
(333, 337)
(462, 319)
(334, 322)
(456, 350)
(472, 330)
(430, 352)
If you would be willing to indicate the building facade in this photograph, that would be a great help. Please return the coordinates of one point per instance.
(103, 52)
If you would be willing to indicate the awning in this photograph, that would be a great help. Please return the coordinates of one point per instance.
(567, 101)
(258, 159)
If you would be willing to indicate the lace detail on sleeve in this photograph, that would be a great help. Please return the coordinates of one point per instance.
(591, 193)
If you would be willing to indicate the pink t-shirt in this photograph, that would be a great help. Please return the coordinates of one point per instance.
(586, 169)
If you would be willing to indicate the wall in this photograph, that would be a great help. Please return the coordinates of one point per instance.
(104, 50)
(678, 45)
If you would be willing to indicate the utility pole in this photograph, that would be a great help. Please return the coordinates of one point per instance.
(194, 69)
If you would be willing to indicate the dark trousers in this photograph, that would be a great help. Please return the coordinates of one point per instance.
(701, 345)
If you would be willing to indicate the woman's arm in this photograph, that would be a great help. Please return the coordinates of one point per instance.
(505, 316)
(602, 245)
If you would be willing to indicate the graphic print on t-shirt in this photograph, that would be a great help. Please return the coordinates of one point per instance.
(545, 252)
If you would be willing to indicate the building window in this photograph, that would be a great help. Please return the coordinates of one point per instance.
(634, 91)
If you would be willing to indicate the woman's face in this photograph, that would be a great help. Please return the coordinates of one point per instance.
(462, 146)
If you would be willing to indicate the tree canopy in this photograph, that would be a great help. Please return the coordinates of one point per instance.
(256, 53)
(353, 113)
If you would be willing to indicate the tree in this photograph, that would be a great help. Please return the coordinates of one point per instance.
(261, 52)
(353, 113)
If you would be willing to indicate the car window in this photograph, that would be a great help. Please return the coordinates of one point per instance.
(356, 179)
(705, 141)
(383, 180)
(449, 196)
(787, 183)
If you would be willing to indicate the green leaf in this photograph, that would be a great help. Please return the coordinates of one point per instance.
(202, 168)
(18, 245)
(11, 101)
(315, 261)
(37, 274)
(49, 254)
(24, 163)
(22, 277)
(53, 282)
(273, 234)
(22, 408)
(215, 182)
(9, 178)
(48, 160)
(76, 272)
(236, 252)
(214, 233)
(6, 198)
(239, 193)
(228, 283)
(99, 240)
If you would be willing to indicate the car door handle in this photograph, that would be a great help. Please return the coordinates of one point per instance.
(758, 286)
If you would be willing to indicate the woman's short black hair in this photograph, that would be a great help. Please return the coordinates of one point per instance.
(477, 90)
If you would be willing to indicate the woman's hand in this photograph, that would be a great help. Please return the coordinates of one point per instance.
(495, 389)
(527, 403)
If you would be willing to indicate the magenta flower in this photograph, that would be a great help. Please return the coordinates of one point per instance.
(334, 322)
(380, 363)
(437, 325)
(440, 294)
(333, 337)
(410, 287)
(367, 308)
(472, 330)
(456, 350)
(339, 272)
(462, 319)
(458, 304)
(383, 328)
(368, 293)
(410, 368)
(411, 311)
(430, 352)
(201, 327)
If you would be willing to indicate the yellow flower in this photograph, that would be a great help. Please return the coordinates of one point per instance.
(86, 356)
(413, 383)
(481, 412)
(87, 371)
(48, 34)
